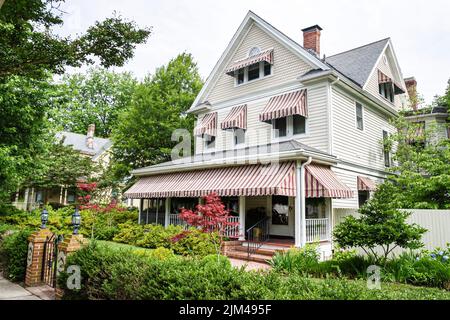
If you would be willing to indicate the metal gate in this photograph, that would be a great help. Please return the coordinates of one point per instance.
(49, 261)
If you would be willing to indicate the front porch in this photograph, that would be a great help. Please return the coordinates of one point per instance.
(268, 219)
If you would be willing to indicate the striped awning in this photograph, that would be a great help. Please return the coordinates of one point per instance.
(320, 182)
(237, 118)
(285, 105)
(366, 184)
(250, 180)
(208, 125)
(266, 55)
(382, 78)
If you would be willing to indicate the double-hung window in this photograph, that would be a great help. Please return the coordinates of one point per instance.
(359, 116)
(239, 137)
(289, 126)
(210, 141)
(253, 72)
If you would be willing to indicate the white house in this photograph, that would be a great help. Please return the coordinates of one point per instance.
(288, 139)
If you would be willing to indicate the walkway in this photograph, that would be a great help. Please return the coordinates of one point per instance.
(13, 291)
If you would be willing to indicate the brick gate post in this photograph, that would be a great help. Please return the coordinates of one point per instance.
(70, 244)
(36, 243)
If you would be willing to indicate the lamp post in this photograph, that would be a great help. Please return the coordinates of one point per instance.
(76, 221)
(44, 218)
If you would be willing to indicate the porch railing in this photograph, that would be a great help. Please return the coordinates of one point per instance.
(230, 232)
(317, 230)
(257, 235)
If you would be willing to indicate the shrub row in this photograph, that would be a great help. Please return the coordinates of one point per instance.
(13, 254)
(424, 269)
(111, 273)
(192, 242)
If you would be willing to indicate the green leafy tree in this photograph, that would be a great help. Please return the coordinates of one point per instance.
(380, 225)
(144, 131)
(30, 47)
(30, 53)
(95, 97)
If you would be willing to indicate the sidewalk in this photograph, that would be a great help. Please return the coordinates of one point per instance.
(12, 291)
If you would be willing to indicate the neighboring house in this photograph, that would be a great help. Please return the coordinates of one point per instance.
(320, 122)
(432, 120)
(89, 146)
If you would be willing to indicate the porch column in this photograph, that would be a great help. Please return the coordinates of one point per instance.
(300, 208)
(17, 196)
(61, 195)
(25, 199)
(242, 218)
(140, 210)
(167, 213)
(65, 197)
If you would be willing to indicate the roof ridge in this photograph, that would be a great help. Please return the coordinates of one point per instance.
(365, 45)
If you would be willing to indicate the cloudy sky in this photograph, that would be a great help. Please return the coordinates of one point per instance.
(420, 30)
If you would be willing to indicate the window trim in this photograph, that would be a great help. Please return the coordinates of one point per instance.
(246, 81)
(362, 115)
(242, 144)
(289, 130)
(388, 153)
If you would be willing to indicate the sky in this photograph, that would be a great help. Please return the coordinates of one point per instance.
(420, 30)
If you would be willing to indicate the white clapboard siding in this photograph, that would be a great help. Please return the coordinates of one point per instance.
(286, 68)
(437, 222)
(349, 178)
(362, 147)
(259, 133)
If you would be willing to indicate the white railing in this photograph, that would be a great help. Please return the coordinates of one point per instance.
(317, 230)
(26, 205)
(230, 231)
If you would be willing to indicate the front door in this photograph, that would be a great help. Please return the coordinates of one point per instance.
(281, 209)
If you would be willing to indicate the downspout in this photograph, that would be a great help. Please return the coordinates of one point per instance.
(300, 208)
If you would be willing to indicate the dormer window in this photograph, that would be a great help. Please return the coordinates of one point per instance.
(256, 66)
(387, 87)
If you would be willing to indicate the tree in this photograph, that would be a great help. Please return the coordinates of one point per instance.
(381, 225)
(210, 217)
(31, 53)
(29, 47)
(143, 134)
(61, 165)
(95, 97)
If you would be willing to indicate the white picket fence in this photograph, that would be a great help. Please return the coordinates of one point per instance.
(437, 222)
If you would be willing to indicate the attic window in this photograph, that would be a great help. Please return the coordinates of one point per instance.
(262, 56)
(254, 51)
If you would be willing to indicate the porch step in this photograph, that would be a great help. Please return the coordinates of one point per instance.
(261, 251)
(241, 255)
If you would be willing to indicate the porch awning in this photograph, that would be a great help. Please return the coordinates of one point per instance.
(237, 118)
(266, 55)
(250, 180)
(208, 125)
(321, 182)
(382, 78)
(285, 105)
(366, 184)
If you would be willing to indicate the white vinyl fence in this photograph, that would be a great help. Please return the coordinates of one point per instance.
(437, 222)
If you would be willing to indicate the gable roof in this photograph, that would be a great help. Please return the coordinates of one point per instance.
(78, 142)
(357, 64)
(249, 19)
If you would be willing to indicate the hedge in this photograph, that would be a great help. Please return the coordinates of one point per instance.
(112, 273)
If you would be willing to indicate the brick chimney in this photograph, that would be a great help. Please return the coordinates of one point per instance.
(411, 87)
(90, 136)
(311, 39)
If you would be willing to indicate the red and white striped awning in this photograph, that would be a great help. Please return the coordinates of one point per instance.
(266, 55)
(237, 118)
(382, 78)
(285, 105)
(207, 126)
(366, 184)
(321, 182)
(250, 180)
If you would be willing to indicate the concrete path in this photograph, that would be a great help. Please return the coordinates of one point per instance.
(249, 265)
(13, 291)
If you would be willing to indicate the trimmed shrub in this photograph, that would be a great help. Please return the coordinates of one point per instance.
(13, 255)
(111, 273)
(302, 260)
